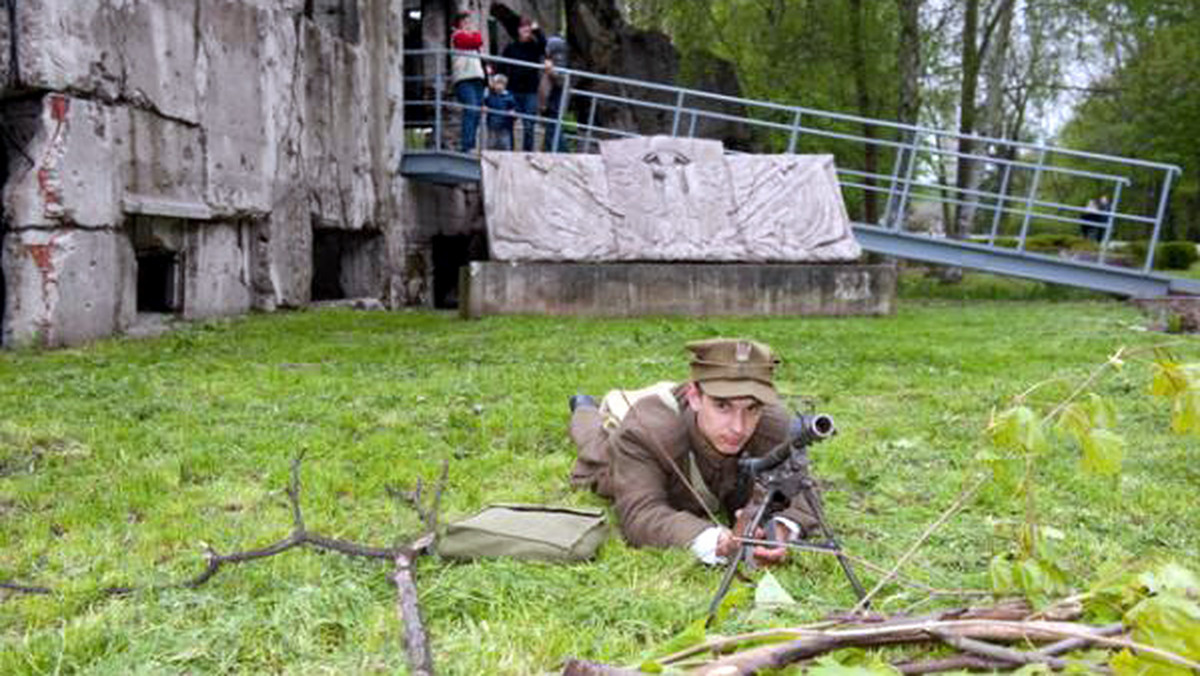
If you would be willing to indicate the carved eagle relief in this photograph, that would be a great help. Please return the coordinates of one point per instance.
(664, 198)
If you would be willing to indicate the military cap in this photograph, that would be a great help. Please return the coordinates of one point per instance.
(730, 368)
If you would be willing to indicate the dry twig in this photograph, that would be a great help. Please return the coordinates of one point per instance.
(402, 554)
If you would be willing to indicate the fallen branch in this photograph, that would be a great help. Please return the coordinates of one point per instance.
(998, 653)
(575, 667)
(820, 642)
(408, 606)
(416, 640)
(1011, 610)
(978, 663)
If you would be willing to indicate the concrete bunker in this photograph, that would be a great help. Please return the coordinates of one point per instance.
(346, 263)
(19, 123)
(191, 268)
(450, 253)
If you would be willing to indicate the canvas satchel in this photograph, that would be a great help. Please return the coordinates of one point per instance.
(532, 532)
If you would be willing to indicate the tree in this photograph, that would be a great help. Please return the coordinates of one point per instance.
(1149, 106)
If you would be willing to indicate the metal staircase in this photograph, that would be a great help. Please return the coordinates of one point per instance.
(895, 177)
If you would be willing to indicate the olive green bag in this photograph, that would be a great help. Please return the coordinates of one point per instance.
(534, 532)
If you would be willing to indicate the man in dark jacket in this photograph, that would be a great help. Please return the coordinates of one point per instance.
(530, 46)
(667, 456)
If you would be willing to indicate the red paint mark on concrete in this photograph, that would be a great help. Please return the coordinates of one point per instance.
(48, 182)
(42, 256)
(59, 106)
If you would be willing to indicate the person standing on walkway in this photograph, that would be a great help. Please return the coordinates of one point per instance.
(530, 46)
(467, 77)
(550, 92)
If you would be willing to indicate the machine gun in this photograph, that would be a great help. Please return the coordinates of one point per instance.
(768, 484)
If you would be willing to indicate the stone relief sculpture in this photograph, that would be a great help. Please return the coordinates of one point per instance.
(665, 199)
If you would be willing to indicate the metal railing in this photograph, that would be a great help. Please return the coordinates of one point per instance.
(1019, 189)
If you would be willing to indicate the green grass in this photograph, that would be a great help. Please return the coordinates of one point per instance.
(1192, 272)
(119, 459)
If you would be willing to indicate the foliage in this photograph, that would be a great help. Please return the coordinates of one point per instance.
(1168, 255)
(1050, 243)
(1021, 437)
(1179, 383)
(1150, 105)
(1160, 602)
(1176, 255)
(120, 457)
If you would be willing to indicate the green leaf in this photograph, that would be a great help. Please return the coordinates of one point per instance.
(650, 667)
(1185, 415)
(1168, 622)
(1170, 379)
(1020, 429)
(737, 597)
(770, 594)
(1076, 421)
(693, 634)
(1101, 411)
(1103, 452)
(1171, 578)
(1000, 569)
(1041, 580)
(1005, 469)
(828, 665)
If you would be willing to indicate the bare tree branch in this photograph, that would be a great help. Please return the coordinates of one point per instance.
(416, 640)
(998, 653)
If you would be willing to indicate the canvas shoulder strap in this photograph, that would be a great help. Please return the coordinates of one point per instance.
(616, 404)
(711, 503)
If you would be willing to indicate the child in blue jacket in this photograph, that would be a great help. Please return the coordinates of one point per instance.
(499, 104)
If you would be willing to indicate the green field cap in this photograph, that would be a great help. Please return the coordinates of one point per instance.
(730, 368)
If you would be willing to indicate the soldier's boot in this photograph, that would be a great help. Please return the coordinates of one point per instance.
(577, 400)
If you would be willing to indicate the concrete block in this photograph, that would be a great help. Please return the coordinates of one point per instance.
(70, 45)
(7, 73)
(639, 289)
(67, 286)
(135, 50)
(230, 76)
(163, 167)
(217, 270)
(283, 259)
(334, 147)
(76, 147)
(157, 43)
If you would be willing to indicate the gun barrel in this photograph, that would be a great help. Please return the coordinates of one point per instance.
(811, 428)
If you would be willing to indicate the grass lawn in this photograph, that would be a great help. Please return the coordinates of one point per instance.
(119, 459)
(1193, 272)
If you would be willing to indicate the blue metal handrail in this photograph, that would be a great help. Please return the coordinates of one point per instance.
(912, 145)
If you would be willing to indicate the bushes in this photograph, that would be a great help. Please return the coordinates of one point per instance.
(1050, 242)
(1168, 255)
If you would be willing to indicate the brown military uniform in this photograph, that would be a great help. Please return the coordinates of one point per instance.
(627, 464)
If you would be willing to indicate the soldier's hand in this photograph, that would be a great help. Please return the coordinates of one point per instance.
(769, 556)
(727, 545)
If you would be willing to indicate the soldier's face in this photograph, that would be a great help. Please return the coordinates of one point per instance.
(727, 423)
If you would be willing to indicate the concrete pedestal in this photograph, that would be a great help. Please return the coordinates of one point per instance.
(695, 289)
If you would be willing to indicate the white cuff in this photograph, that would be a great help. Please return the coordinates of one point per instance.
(705, 546)
(790, 525)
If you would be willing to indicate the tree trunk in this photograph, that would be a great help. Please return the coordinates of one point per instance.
(909, 60)
(862, 89)
(909, 107)
(975, 41)
(966, 109)
(991, 118)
